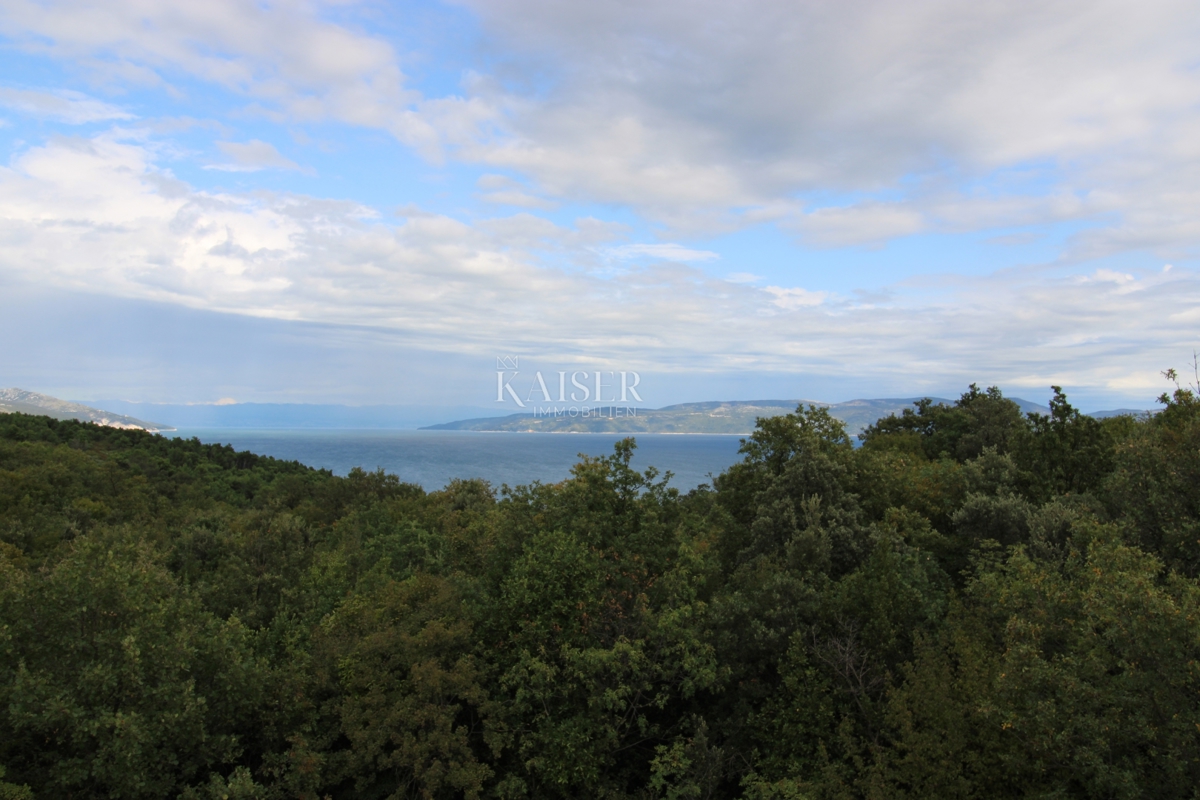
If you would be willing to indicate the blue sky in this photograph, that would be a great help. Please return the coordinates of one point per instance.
(367, 202)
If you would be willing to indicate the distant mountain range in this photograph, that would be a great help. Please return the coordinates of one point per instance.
(728, 417)
(731, 417)
(24, 402)
(317, 416)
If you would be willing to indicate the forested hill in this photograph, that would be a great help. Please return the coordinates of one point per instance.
(24, 402)
(974, 603)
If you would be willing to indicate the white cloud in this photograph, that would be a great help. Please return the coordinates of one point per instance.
(743, 277)
(707, 117)
(796, 297)
(859, 224)
(513, 198)
(282, 56)
(1113, 276)
(252, 156)
(504, 191)
(62, 105)
(664, 251)
(96, 214)
(945, 211)
(808, 84)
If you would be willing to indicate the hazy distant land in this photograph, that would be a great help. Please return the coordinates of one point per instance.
(19, 400)
(733, 417)
(730, 417)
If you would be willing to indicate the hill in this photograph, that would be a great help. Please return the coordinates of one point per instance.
(729, 417)
(972, 603)
(19, 400)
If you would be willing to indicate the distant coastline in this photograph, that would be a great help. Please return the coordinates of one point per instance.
(727, 418)
(713, 418)
(21, 401)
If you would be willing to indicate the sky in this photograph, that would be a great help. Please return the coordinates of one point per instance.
(371, 203)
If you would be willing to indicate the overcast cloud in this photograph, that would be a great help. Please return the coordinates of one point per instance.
(606, 167)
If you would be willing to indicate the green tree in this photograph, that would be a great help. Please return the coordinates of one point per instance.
(1155, 487)
(979, 419)
(409, 706)
(1068, 452)
(123, 686)
(1072, 679)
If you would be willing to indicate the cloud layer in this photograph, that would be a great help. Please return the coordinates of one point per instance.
(688, 109)
(98, 214)
(854, 122)
(1073, 123)
(252, 156)
(73, 108)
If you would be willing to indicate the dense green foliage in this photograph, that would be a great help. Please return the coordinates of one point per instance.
(971, 604)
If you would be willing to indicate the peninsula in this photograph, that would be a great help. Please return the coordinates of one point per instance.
(714, 417)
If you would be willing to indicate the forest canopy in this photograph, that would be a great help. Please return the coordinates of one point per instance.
(971, 602)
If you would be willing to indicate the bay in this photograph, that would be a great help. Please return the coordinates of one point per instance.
(434, 458)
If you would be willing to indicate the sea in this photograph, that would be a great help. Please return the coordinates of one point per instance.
(434, 458)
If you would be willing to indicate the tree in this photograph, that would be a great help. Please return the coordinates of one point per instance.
(1072, 679)
(1067, 453)
(124, 686)
(979, 419)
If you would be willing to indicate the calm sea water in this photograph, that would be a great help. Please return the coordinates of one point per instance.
(433, 458)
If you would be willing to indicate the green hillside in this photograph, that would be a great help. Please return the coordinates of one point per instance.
(974, 603)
